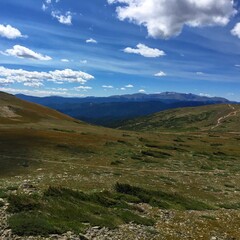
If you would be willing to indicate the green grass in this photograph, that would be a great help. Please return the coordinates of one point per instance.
(155, 154)
(3, 193)
(60, 210)
(162, 199)
(235, 206)
(186, 119)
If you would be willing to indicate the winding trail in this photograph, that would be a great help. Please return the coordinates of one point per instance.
(221, 119)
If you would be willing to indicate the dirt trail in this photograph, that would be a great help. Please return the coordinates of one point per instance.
(221, 119)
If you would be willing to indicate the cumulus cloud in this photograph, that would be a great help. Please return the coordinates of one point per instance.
(141, 91)
(165, 19)
(236, 30)
(160, 74)
(145, 51)
(23, 52)
(46, 4)
(10, 32)
(129, 86)
(39, 93)
(5, 82)
(69, 75)
(107, 86)
(64, 19)
(36, 79)
(91, 40)
(33, 84)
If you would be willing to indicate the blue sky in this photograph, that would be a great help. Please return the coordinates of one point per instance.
(108, 47)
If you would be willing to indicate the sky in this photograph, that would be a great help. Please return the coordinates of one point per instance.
(112, 47)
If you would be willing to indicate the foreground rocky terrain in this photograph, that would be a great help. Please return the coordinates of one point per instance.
(218, 224)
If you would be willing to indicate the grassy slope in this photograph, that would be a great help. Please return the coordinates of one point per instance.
(60, 152)
(190, 119)
(14, 110)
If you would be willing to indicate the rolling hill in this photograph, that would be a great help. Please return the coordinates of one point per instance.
(222, 117)
(14, 110)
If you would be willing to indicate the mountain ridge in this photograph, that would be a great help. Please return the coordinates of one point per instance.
(164, 96)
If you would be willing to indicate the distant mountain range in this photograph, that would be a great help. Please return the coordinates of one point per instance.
(111, 111)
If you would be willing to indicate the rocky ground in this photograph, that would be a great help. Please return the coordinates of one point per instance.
(221, 224)
(170, 225)
(124, 232)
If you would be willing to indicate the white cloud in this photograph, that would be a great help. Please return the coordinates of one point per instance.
(82, 88)
(23, 52)
(123, 89)
(64, 60)
(10, 32)
(199, 73)
(166, 18)
(129, 86)
(68, 75)
(145, 51)
(64, 19)
(141, 91)
(58, 89)
(39, 93)
(5, 82)
(107, 86)
(236, 30)
(205, 95)
(36, 78)
(33, 84)
(46, 4)
(160, 74)
(237, 65)
(91, 40)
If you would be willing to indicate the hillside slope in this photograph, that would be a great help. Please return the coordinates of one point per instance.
(223, 117)
(14, 110)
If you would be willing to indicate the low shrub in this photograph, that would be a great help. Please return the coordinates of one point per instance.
(162, 199)
(19, 203)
